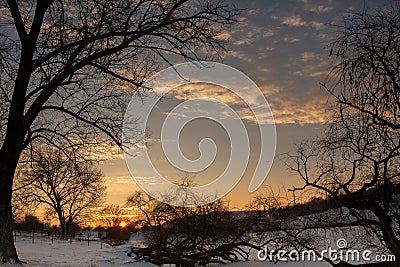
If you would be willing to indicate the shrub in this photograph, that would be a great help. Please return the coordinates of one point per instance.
(117, 235)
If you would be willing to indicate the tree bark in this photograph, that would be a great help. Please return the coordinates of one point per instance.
(8, 251)
(16, 128)
(63, 226)
(9, 156)
(7, 248)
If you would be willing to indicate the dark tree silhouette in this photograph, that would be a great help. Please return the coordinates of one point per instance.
(187, 236)
(68, 189)
(66, 65)
(111, 216)
(356, 163)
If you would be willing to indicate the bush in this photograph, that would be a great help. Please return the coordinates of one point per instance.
(29, 223)
(189, 236)
(116, 236)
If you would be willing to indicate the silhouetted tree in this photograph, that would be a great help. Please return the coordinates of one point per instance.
(357, 161)
(66, 68)
(111, 216)
(186, 236)
(29, 223)
(68, 189)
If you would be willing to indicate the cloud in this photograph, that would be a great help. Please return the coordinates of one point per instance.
(317, 25)
(267, 33)
(291, 39)
(120, 180)
(320, 9)
(307, 56)
(221, 95)
(264, 69)
(243, 41)
(288, 110)
(298, 21)
(311, 65)
(253, 12)
(225, 35)
(105, 152)
(242, 22)
(240, 55)
(246, 32)
(295, 103)
(293, 21)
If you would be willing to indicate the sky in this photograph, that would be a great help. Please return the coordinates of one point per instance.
(282, 46)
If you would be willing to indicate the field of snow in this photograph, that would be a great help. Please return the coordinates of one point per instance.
(63, 253)
(78, 254)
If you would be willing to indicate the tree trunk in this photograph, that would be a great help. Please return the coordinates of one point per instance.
(9, 157)
(7, 248)
(63, 227)
(16, 129)
(385, 226)
(68, 229)
(11, 151)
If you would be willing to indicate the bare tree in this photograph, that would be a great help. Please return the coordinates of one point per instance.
(186, 236)
(67, 65)
(117, 224)
(111, 216)
(356, 163)
(68, 190)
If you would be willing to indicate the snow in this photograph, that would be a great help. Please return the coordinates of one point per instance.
(78, 254)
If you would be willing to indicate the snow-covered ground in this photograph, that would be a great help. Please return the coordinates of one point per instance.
(78, 254)
(63, 253)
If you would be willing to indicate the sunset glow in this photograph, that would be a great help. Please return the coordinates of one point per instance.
(283, 51)
(123, 224)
